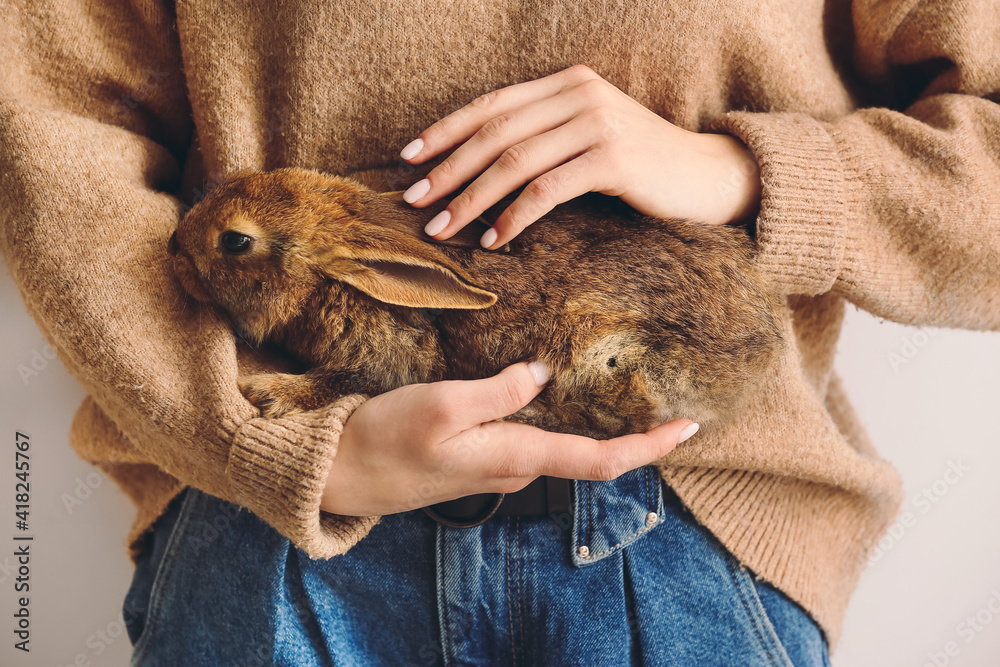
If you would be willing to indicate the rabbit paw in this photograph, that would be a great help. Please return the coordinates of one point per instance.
(276, 394)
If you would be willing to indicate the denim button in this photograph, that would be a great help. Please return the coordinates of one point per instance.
(607, 516)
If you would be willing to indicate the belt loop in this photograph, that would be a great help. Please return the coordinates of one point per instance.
(557, 492)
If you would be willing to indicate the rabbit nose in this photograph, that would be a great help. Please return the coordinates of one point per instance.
(185, 272)
(172, 244)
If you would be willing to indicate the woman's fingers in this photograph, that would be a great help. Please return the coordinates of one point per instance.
(536, 158)
(460, 125)
(511, 146)
(464, 413)
(572, 179)
(527, 452)
(425, 443)
(450, 407)
(569, 133)
(493, 141)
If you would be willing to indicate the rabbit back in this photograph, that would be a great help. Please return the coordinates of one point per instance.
(642, 320)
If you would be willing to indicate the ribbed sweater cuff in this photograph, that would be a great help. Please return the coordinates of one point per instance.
(278, 468)
(800, 228)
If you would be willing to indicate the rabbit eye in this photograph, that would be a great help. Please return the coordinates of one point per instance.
(235, 242)
(612, 362)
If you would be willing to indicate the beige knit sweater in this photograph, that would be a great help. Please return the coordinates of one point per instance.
(876, 124)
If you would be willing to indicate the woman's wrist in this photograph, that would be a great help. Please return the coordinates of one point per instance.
(732, 179)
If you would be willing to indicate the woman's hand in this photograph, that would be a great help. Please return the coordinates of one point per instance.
(567, 134)
(426, 443)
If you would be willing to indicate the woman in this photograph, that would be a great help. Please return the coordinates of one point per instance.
(869, 175)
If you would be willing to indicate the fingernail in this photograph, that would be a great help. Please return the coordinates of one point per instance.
(411, 149)
(437, 223)
(488, 238)
(688, 431)
(417, 190)
(540, 371)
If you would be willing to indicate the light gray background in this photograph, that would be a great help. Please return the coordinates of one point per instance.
(938, 408)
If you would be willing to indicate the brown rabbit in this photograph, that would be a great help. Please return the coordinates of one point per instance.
(641, 320)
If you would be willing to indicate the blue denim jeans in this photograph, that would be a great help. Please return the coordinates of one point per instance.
(627, 578)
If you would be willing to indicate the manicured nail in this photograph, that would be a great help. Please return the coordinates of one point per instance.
(540, 371)
(411, 149)
(488, 238)
(417, 190)
(688, 431)
(438, 223)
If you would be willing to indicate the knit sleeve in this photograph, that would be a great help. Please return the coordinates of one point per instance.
(94, 124)
(896, 208)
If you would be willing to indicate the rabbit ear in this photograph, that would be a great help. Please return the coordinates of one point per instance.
(397, 269)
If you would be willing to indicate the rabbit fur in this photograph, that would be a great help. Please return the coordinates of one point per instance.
(641, 320)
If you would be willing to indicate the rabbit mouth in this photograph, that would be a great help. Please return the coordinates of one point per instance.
(243, 332)
(254, 331)
(186, 273)
(240, 328)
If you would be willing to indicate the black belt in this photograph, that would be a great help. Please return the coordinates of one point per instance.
(543, 496)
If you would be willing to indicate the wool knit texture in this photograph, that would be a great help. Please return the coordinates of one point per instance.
(875, 123)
